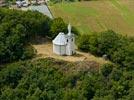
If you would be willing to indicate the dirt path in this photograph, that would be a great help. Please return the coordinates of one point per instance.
(45, 50)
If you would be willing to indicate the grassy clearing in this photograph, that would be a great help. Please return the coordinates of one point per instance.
(97, 16)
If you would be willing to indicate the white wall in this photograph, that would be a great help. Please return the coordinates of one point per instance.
(59, 49)
(70, 49)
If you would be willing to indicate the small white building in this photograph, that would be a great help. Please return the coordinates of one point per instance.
(64, 44)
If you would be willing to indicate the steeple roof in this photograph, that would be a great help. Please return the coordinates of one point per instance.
(69, 29)
(60, 39)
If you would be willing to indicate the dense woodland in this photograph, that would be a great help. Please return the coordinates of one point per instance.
(17, 28)
(50, 79)
(119, 49)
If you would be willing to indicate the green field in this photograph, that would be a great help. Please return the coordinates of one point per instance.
(97, 16)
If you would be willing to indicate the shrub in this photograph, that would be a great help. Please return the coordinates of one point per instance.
(106, 69)
(124, 56)
(107, 42)
(116, 74)
(119, 49)
(99, 44)
(58, 25)
(83, 42)
(28, 52)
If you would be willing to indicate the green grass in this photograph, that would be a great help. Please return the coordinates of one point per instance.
(97, 16)
(82, 11)
(126, 13)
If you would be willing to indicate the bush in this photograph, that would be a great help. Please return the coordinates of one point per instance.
(28, 52)
(107, 42)
(88, 43)
(119, 49)
(58, 25)
(129, 58)
(100, 44)
(124, 56)
(83, 43)
(106, 69)
(116, 74)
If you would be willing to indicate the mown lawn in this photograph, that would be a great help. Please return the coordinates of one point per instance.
(97, 16)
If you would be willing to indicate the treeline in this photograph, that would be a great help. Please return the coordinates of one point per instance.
(50, 79)
(44, 79)
(116, 81)
(119, 49)
(17, 29)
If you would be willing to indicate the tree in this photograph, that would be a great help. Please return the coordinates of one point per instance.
(107, 42)
(129, 58)
(58, 25)
(16, 30)
(124, 56)
(83, 43)
(106, 69)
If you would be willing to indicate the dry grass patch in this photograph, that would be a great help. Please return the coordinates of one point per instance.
(45, 50)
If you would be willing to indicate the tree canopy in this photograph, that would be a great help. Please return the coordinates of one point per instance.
(17, 28)
(50, 79)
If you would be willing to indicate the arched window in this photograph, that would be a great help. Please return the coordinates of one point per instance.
(67, 40)
(72, 52)
(72, 39)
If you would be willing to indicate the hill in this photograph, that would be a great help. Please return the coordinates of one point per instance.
(44, 49)
(98, 16)
(51, 79)
(44, 79)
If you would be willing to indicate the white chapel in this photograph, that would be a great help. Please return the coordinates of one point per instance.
(64, 44)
